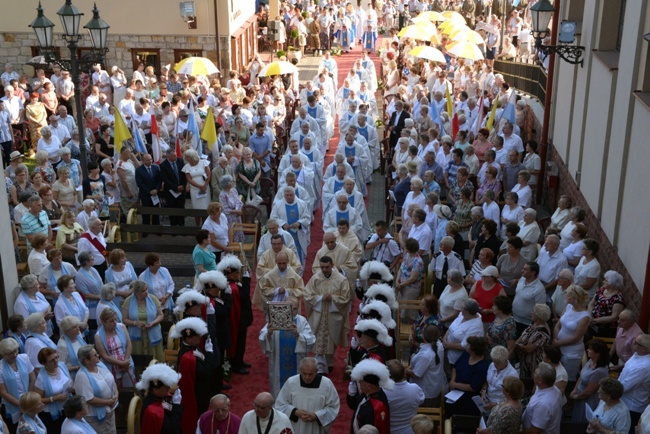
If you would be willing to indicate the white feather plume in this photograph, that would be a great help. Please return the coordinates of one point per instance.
(188, 296)
(160, 372)
(373, 367)
(215, 277)
(229, 262)
(196, 324)
(383, 309)
(382, 289)
(375, 325)
(372, 267)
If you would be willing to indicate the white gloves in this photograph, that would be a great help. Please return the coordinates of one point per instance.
(210, 309)
(208, 345)
(176, 398)
(352, 388)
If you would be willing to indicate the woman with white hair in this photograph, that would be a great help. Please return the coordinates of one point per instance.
(468, 323)
(414, 196)
(16, 377)
(197, 172)
(401, 153)
(110, 180)
(499, 369)
(231, 204)
(69, 343)
(529, 234)
(51, 144)
(220, 169)
(119, 83)
(37, 338)
(607, 305)
(64, 190)
(96, 383)
(107, 297)
(30, 300)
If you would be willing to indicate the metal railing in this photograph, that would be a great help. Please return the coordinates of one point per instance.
(525, 77)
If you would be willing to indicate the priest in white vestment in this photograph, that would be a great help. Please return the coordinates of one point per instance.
(301, 193)
(292, 214)
(278, 284)
(272, 228)
(285, 348)
(309, 399)
(316, 111)
(305, 131)
(262, 415)
(358, 158)
(341, 256)
(268, 259)
(327, 302)
(369, 132)
(293, 148)
(342, 211)
(330, 170)
(303, 118)
(304, 177)
(316, 160)
(332, 186)
(349, 239)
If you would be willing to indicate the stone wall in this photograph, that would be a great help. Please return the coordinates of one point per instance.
(16, 47)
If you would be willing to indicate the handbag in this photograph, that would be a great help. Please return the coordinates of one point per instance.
(253, 198)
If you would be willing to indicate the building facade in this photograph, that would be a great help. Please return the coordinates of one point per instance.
(600, 125)
(151, 31)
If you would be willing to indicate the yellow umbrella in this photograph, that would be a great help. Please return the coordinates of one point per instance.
(429, 53)
(466, 50)
(431, 16)
(466, 34)
(420, 32)
(279, 67)
(449, 26)
(196, 66)
(454, 16)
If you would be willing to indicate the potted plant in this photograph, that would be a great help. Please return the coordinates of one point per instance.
(293, 52)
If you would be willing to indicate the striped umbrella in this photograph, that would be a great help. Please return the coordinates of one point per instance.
(429, 53)
(466, 50)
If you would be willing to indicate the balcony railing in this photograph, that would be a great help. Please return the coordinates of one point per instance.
(525, 77)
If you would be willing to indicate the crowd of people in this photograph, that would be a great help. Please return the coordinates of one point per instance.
(512, 314)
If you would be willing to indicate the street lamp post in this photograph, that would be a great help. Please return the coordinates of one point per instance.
(541, 14)
(97, 29)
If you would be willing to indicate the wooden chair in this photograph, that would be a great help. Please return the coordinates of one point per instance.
(249, 246)
(22, 266)
(172, 344)
(134, 415)
(267, 194)
(404, 327)
(251, 214)
(171, 358)
(436, 414)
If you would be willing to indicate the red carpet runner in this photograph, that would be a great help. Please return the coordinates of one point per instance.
(246, 387)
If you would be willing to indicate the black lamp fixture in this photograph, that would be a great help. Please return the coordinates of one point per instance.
(70, 20)
(541, 14)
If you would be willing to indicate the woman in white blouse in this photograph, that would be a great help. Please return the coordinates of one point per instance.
(69, 343)
(16, 377)
(37, 339)
(468, 323)
(159, 280)
(562, 214)
(587, 271)
(53, 384)
(30, 301)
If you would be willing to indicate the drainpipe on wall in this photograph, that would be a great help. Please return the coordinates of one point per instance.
(218, 37)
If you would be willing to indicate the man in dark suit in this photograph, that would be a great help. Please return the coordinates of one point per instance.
(396, 124)
(147, 176)
(174, 182)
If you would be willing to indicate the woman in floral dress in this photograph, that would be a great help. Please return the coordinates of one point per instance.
(409, 277)
(231, 205)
